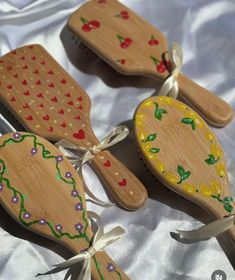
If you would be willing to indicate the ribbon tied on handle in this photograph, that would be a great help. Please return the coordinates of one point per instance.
(211, 230)
(68, 148)
(171, 86)
(99, 242)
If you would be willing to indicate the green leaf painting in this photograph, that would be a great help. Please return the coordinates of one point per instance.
(183, 174)
(211, 159)
(159, 112)
(189, 121)
(150, 138)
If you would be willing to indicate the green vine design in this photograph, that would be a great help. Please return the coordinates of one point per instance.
(189, 121)
(183, 174)
(47, 155)
(211, 159)
(150, 138)
(159, 112)
(226, 202)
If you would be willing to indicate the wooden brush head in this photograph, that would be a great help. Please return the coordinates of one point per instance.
(43, 96)
(122, 38)
(183, 152)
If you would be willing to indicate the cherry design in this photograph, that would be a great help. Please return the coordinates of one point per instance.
(121, 61)
(89, 25)
(122, 183)
(153, 41)
(124, 42)
(107, 163)
(160, 66)
(123, 14)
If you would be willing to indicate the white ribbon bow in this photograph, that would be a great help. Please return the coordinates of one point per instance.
(211, 230)
(67, 147)
(99, 242)
(171, 86)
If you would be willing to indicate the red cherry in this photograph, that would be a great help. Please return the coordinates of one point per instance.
(123, 61)
(124, 45)
(94, 24)
(128, 41)
(153, 42)
(86, 27)
(124, 15)
(161, 67)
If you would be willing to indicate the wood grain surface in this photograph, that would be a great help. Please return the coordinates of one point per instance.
(43, 192)
(134, 47)
(47, 101)
(183, 152)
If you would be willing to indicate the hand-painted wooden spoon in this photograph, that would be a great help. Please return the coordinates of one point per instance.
(182, 151)
(47, 101)
(43, 192)
(134, 47)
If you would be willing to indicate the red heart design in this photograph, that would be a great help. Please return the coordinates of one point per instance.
(13, 52)
(70, 103)
(25, 67)
(54, 99)
(107, 163)
(51, 85)
(26, 93)
(9, 86)
(122, 183)
(15, 76)
(46, 117)
(13, 99)
(61, 111)
(77, 117)
(26, 106)
(40, 95)
(24, 82)
(79, 98)
(41, 105)
(63, 124)
(80, 134)
(63, 81)
(36, 72)
(9, 68)
(22, 57)
(29, 118)
(42, 62)
(38, 82)
(33, 57)
(68, 94)
(80, 107)
(50, 72)
(50, 129)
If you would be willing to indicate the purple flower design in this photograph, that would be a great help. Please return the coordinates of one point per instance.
(79, 227)
(42, 222)
(14, 199)
(78, 207)
(59, 158)
(111, 267)
(1, 187)
(74, 193)
(58, 227)
(16, 135)
(26, 215)
(68, 175)
(34, 151)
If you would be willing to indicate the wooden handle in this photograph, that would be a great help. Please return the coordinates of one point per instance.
(215, 110)
(122, 183)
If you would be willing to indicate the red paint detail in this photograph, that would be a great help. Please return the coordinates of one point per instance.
(33, 57)
(15, 76)
(94, 24)
(54, 99)
(41, 105)
(9, 68)
(1, 61)
(70, 102)
(13, 52)
(63, 81)
(38, 82)
(50, 129)
(102, 1)
(13, 99)
(42, 62)
(50, 72)
(80, 107)
(25, 67)
(161, 68)
(22, 58)
(86, 28)
(68, 94)
(51, 85)
(46, 118)
(26, 93)
(30, 47)
(26, 106)
(122, 183)
(24, 82)
(77, 117)
(153, 42)
(29, 118)
(107, 163)
(40, 95)
(36, 72)
(63, 124)
(9, 86)
(61, 112)
(124, 15)
(79, 98)
(79, 135)
(89, 25)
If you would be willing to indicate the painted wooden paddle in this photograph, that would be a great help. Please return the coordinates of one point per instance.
(182, 151)
(134, 47)
(47, 101)
(43, 192)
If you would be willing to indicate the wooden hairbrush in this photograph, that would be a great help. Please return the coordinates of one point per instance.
(134, 47)
(182, 151)
(43, 192)
(48, 102)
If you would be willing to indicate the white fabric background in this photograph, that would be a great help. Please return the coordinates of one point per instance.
(206, 31)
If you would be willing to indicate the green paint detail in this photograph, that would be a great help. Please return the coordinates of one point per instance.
(190, 122)
(154, 150)
(119, 274)
(155, 60)
(150, 138)
(46, 155)
(183, 174)
(211, 159)
(226, 202)
(83, 20)
(159, 112)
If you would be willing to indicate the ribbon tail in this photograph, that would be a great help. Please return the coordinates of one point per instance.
(211, 230)
(85, 274)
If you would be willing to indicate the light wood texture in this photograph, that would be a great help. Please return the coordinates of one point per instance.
(48, 102)
(182, 151)
(134, 47)
(37, 191)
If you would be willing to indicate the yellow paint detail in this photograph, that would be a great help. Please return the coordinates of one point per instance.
(147, 104)
(220, 169)
(216, 188)
(209, 136)
(213, 189)
(170, 176)
(189, 188)
(192, 115)
(160, 166)
(216, 151)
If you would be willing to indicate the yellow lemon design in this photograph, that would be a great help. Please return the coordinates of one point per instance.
(160, 167)
(147, 104)
(205, 189)
(172, 177)
(189, 188)
(216, 151)
(216, 188)
(209, 136)
(220, 169)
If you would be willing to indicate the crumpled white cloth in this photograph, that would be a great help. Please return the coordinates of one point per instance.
(205, 30)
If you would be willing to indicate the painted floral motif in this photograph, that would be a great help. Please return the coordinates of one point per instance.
(192, 119)
(123, 14)
(159, 112)
(14, 199)
(160, 66)
(34, 151)
(153, 41)
(89, 25)
(226, 202)
(111, 267)
(1, 187)
(183, 174)
(124, 42)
